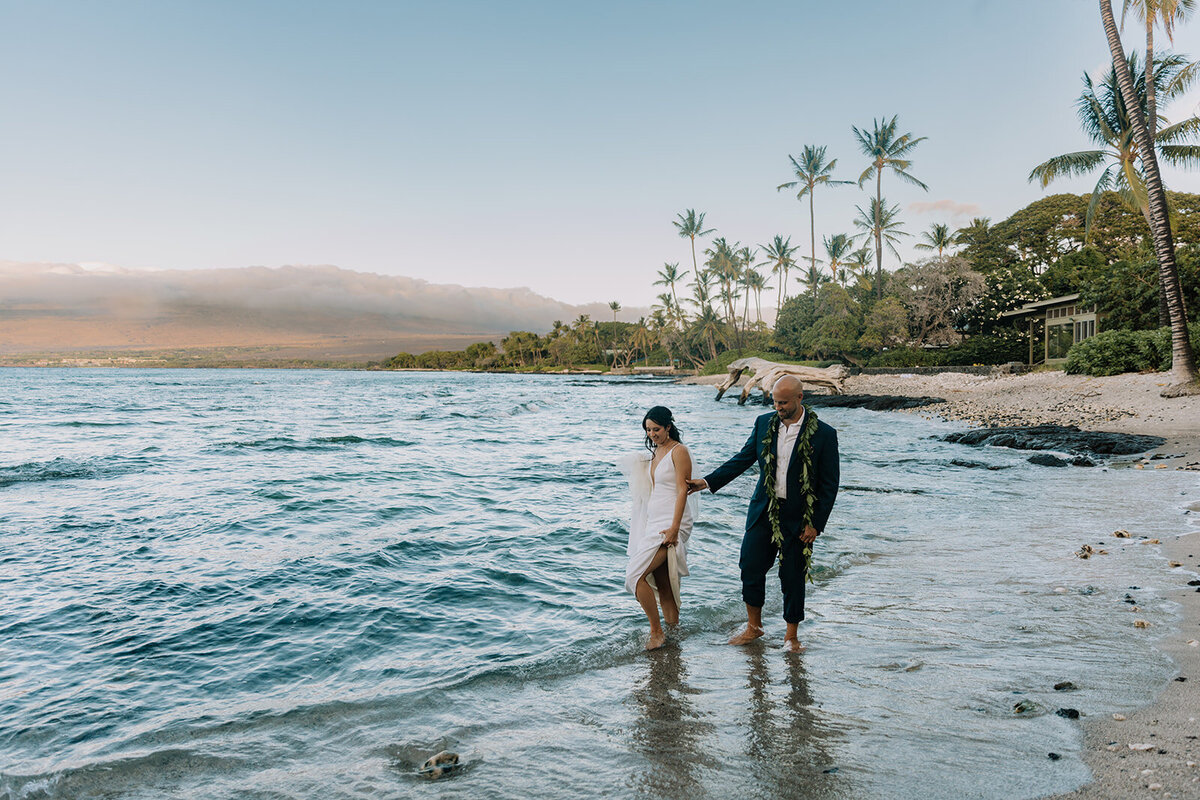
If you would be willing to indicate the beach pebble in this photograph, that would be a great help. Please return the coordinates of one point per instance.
(1022, 706)
(1061, 590)
(1147, 772)
(1121, 534)
(1154, 787)
(1175, 564)
(1150, 541)
(1141, 746)
(1063, 686)
(1068, 713)
(1119, 717)
(1141, 623)
(1193, 643)
(1053, 756)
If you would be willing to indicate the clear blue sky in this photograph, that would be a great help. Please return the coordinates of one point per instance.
(542, 144)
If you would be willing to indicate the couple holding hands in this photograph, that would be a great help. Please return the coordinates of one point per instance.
(797, 456)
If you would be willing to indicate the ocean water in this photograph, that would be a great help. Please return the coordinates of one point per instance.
(292, 584)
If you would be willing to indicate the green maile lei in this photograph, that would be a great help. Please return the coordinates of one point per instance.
(804, 452)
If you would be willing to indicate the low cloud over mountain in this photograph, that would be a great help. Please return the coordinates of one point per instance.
(71, 307)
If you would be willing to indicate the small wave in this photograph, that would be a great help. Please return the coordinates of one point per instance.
(62, 469)
(882, 490)
(83, 423)
(383, 441)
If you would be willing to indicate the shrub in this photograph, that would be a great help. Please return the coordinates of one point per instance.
(985, 349)
(906, 357)
(1116, 351)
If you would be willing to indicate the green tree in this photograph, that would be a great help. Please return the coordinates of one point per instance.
(691, 225)
(1183, 360)
(670, 275)
(779, 254)
(1105, 120)
(883, 225)
(889, 151)
(811, 170)
(938, 237)
(1152, 12)
(886, 326)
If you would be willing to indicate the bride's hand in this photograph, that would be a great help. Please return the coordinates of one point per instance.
(670, 536)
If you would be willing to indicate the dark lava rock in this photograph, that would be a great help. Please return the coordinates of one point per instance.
(1068, 713)
(1068, 438)
(1181, 679)
(1193, 583)
(1047, 460)
(962, 462)
(1064, 686)
(871, 402)
(1053, 756)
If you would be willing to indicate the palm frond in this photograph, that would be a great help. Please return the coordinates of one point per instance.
(1069, 164)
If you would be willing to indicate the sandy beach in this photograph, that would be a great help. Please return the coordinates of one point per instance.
(1152, 751)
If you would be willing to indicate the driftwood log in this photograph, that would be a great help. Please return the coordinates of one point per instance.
(767, 372)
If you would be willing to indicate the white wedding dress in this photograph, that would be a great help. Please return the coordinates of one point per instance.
(653, 511)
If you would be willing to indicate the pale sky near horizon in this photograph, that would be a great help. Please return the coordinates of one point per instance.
(541, 144)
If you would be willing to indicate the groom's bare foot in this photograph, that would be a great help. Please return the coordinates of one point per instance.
(747, 636)
(793, 646)
(657, 639)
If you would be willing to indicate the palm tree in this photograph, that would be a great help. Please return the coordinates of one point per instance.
(745, 260)
(722, 264)
(755, 282)
(859, 264)
(691, 225)
(881, 224)
(1168, 12)
(886, 151)
(615, 306)
(1106, 121)
(975, 233)
(811, 169)
(1183, 360)
(670, 275)
(779, 257)
(837, 247)
(938, 237)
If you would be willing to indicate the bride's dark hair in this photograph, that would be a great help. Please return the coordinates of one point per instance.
(661, 415)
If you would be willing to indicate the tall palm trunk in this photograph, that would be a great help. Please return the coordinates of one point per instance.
(1164, 313)
(1183, 360)
(878, 232)
(812, 230)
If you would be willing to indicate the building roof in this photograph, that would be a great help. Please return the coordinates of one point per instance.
(1030, 308)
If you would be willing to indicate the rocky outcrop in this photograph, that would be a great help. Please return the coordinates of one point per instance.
(871, 402)
(1064, 438)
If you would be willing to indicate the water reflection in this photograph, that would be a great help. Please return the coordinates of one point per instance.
(669, 731)
(787, 740)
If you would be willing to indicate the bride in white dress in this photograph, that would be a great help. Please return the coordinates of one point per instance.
(661, 522)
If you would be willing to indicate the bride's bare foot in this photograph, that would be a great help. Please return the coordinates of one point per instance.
(793, 646)
(747, 636)
(657, 639)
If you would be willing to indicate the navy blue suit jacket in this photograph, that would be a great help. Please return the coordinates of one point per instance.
(791, 513)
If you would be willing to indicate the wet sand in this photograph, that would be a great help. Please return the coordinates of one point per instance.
(1152, 751)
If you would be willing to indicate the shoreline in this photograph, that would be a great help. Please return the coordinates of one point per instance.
(1154, 750)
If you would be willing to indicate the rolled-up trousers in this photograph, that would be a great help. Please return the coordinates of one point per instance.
(758, 554)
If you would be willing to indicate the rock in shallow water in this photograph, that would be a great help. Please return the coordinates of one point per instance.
(1057, 437)
(871, 402)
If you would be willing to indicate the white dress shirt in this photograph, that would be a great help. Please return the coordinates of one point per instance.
(785, 443)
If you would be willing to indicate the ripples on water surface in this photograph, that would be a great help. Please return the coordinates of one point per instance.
(299, 584)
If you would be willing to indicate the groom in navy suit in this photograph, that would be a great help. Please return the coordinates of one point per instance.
(758, 549)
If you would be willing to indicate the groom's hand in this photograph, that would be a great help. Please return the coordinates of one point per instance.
(810, 534)
(696, 485)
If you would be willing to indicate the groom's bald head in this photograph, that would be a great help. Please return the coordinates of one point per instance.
(787, 394)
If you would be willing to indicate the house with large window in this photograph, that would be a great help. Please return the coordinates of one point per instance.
(1055, 325)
